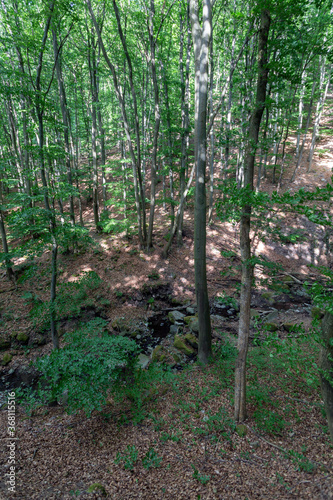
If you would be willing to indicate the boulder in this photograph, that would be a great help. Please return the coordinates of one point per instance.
(4, 344)
(6, 358)
(271, 327)
(193, 323)
(176, 316)
(22, 337)
(192, 340)
(181, 345)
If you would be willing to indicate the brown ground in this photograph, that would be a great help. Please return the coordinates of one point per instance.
(60, 456)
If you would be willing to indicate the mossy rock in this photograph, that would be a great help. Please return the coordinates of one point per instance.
(6, 358)
(176, 316)
(287, 280)
(192, 340)
(271, 327)
(269, 296)
(193, 323)
(180, 344)
(289, 327)
(158, 353)
(317, 313)
(97, 488)
(176, 358)
(241, 430)
(4, 344)
(39, 340)
(22, 337)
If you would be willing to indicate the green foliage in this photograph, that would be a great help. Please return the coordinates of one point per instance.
(86, 368)
(151, 459)
(144, 388)
(269, 421)
(129, 458)
(71, 298)
(199, 477)
(301, 462)
(227, 300)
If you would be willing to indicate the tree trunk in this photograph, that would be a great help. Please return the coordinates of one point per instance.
(245, 224)
(65, 114)
(201, 38)
(326, 366)
(156, 128)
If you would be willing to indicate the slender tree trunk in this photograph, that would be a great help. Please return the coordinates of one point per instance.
(8, 263)
(326, 367)
(245, 224)
(156, 128)
(201, 37)
(65, 114)
(319, 110)
(305, 133)
(135, 165)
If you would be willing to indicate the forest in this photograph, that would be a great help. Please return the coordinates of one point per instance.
(166, 200)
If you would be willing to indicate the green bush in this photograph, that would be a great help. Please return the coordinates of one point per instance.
(82, 372)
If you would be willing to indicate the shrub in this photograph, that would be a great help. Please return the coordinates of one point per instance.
(85, 369)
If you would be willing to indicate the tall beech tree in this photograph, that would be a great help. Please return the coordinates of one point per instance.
(201, 38)
(245, 223)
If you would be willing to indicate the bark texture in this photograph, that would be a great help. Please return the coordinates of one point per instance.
(326, 365)
(245, 224)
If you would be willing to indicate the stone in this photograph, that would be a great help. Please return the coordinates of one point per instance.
(271, 316)
(6, 358)
(40, 340)
(192, 340)
(289, 327)
(317, 313)
(4, 344)
(254, 313)
(193, 323)
(158, 353)
(97, 489)
(174, 329)
(287, 280)
(22, 337)
(143, 361)
(271, 327)
(190, 311)
(181, 345)
(175, 316)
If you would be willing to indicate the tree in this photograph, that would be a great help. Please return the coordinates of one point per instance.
(201, 37)
(245, 223)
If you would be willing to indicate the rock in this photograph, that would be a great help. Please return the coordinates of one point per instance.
(254, 313)
(22, 337)
(289, 327)
(158, 354)
(192, 340)
(271, 327)
(316, 313)
(4, 344)
(190, 311)
(39, 340)
(143, 361)
(6, 358)
(174, 329)
(241, 430)
(271, 316)
(269, 296)
(287, 280)
(175, 316)
(181, 345)
(193, 323)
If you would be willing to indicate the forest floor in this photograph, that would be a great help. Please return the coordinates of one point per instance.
(182, 442)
